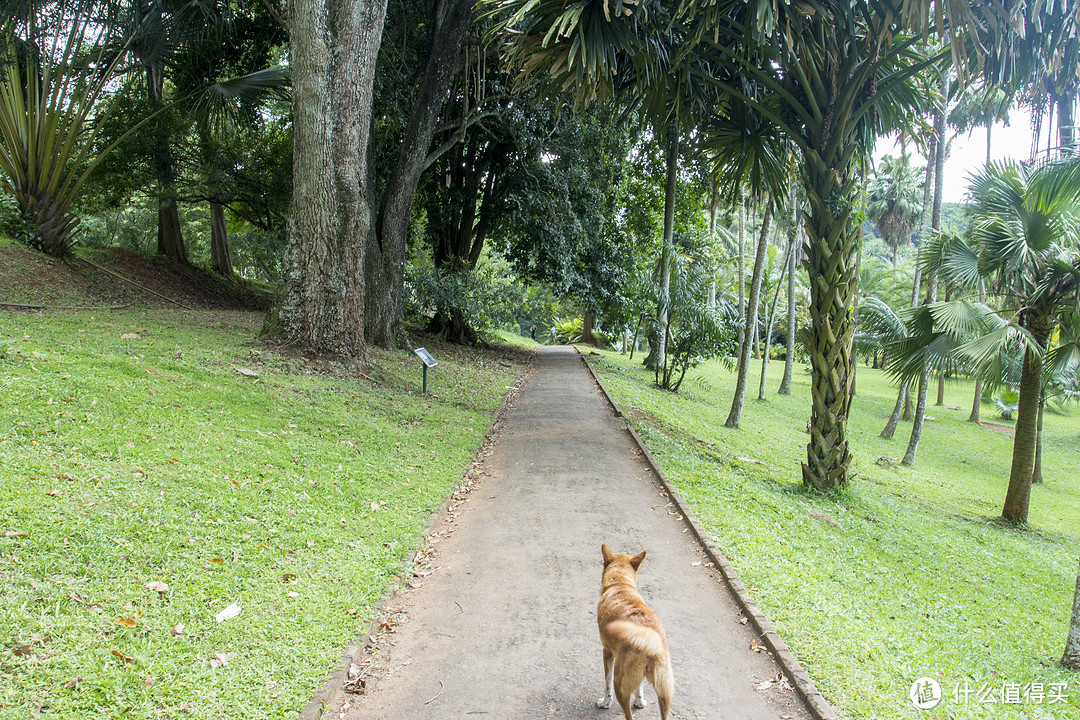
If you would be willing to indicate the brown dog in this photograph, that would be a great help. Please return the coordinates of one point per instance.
(635, 646)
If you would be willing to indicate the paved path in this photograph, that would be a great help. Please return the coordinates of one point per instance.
(505, 629)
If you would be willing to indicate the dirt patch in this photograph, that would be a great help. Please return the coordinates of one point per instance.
(1003, 429)
(89, 278)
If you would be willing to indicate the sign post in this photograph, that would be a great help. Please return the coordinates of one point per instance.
(428, 362)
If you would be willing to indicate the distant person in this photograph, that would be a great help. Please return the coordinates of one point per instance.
(532, 332)
(552, 334)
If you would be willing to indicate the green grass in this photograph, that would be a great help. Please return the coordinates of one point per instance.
(295, 495)
(905, 574)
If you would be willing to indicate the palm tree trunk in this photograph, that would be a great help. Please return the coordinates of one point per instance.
(1036, 471)
(789, 346)
(769, 324)
(667, 251)
(1071, 658)
(750, 328)
(894, 418)
(931, 293)
(741, 270)
(1027, 431)
(976, 404)
(940, 390)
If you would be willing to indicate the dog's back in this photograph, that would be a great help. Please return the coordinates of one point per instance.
(635, 645)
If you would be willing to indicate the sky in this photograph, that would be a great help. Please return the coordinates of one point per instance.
(967, 153)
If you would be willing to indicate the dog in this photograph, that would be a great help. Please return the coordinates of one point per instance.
(635, 646)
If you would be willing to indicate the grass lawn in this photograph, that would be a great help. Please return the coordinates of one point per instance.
(134, 452)
(906, 574)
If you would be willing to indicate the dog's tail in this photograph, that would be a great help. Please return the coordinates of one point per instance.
(639, 637)
(664, 683)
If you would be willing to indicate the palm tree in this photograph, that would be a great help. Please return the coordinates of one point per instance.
(894, 202)
(50, 85)
(1023, 238)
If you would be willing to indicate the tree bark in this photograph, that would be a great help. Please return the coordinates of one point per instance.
(219, 241)
(1027, 417)
(170, 237)
(385, 262)
(789, 346)
(741, 271)
(931, 293)
(333, 46)
(750, 327)
(940, 390)
(894, 418)
(769, 322)
(1066, 126)
(668, 247)
(1036, 471)
(976, 404)
(1071, 658)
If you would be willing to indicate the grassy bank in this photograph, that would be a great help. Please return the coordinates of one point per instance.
(906, 574)
(162, 446)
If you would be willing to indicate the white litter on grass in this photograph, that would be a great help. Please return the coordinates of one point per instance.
(228, 613)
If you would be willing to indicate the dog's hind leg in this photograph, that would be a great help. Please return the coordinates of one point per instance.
(639, 696)
(609, 680)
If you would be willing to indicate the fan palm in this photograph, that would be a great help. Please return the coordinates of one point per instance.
(894, 202)
(1023, 239)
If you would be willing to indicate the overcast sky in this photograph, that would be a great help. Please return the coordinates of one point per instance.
(968, 150)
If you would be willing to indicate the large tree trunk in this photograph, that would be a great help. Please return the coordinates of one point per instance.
(1071, 658)
(385, 265)
(1027, 420)
(219, 241)
(170, 237)
(830, 263)
(750, 327)
(333, 45)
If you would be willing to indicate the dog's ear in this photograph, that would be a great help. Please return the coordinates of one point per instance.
(635, 562)
(608, 556)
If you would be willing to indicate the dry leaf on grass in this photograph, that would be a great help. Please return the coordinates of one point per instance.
(157, 586)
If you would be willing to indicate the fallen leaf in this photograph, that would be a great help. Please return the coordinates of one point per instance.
(148, 681)
(219, 660)
(228, 613)
(756, 646)
(177, 629)
(247, 372)
(217, 561)
(129, 336)
(157, 586)
(292, 594)
(127, 622)
(14, 533)
(374, 506)
(53, 493)
(22, 650)
(122, 656)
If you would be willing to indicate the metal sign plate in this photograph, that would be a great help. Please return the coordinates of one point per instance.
(425, 356)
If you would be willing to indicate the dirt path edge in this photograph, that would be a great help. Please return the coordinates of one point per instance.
(815, 702)
(338, 675)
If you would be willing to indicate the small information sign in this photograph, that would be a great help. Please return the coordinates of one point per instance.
(425, 356)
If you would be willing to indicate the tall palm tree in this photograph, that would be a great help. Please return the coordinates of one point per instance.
(894, 202)
(1023, 245)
